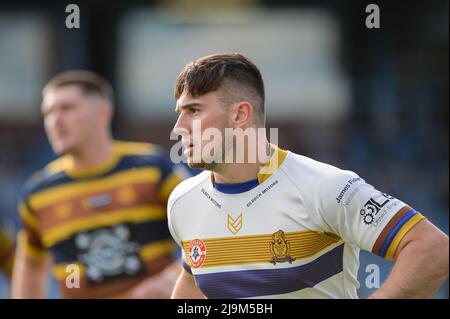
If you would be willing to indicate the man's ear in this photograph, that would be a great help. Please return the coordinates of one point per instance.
(242, 114)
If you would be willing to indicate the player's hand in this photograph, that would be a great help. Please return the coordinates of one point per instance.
(159, 286)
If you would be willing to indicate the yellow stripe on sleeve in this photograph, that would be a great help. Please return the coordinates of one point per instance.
(400, 234)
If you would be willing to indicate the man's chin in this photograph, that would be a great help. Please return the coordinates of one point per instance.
(202, 165)
(61, 149)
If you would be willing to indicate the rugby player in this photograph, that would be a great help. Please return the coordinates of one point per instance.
(283, 225)
(96, 215)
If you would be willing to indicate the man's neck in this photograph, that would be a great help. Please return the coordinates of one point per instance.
(240, 172)
(93, 155)
(236, 173)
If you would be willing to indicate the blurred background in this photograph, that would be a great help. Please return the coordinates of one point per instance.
(374, 101)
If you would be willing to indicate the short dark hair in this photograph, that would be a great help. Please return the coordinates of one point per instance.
(89, 82)
(232, 72)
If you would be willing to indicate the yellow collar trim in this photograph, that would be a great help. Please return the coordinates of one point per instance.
(268, 168)
(113, 159)
(120, 148)
(275, 161)
(65, 163)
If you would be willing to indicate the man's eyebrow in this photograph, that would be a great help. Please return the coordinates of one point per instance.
(186, 106)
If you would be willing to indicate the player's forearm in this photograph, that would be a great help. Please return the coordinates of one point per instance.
(420, 269)
(30, 278)
(158, 286)
(185, 288)
(172, 272)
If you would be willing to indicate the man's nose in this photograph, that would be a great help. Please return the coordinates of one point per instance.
(54, 119)
(182, 126)
(60, 119)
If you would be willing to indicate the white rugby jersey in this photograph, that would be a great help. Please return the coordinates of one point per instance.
(295, 235)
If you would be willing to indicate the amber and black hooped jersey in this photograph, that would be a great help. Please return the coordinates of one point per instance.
(296, 234)
(110, 222)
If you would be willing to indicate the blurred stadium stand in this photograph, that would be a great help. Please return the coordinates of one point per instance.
(371, 100)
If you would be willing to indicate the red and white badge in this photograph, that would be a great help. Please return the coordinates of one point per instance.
(197, 253)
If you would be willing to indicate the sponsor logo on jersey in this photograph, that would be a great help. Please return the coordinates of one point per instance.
(372, 207)
(108, 253)
(197, 253)
(215, 202)
(98, 201)
(347, 186)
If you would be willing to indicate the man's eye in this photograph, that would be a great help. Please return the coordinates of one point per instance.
(193, 111)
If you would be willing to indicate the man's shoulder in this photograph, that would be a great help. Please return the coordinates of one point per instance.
(142, 155)
(187, 186)
(50, 175)
(318, 184)
(307, 172)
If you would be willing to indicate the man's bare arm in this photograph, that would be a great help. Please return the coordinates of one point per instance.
(30, 276)
(158, 286)
(421, 264)
(185, 287)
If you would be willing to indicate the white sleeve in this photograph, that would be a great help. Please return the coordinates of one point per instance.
(361, 215)
(170, 219)
(173, 230)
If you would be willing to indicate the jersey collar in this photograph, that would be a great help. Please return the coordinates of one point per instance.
(65, 163)
(268, 168)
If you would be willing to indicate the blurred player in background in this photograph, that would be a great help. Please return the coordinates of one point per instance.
(284, 225)
(97, 214)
